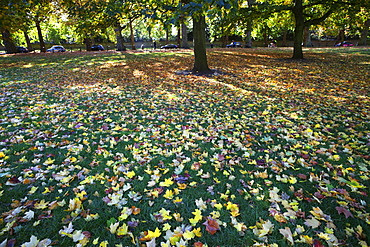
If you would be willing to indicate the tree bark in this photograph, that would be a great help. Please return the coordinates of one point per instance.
(307, 37)
(119, 38)
(132, 36)
(28, 41)
(284, 41)
(298, 30)
(184, 34)
(364, 33)
(200, 52)
(88, 43)
(167, 34)
(265, 36)
(248, 39)
(341, 35)
(41, 39)
(9, 44)
(179, 35)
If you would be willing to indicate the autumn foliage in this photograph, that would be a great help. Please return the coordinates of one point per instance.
(120, 149)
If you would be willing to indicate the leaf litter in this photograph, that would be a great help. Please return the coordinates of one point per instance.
(124, 151)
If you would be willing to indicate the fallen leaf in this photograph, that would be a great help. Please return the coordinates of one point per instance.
(287, 233)
(211, 226)
(342, 210)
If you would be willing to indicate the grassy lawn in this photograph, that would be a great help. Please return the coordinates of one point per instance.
(117, 149)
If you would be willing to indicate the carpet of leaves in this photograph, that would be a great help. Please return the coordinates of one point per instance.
(117, 149)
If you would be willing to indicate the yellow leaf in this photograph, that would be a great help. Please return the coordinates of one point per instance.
(32, 190)
(197, 232)
(121, 231)
(324, 236)
(103, 244)
(197, 214)
(154, 234)
(74, 204)
(41, 205)
(188, 235)
(46, 191)
(166, 227)
(96, 241)
(292, 180)
(49, 161)
(113, 227)
(168, 194)
(167, 182)
(130, 174)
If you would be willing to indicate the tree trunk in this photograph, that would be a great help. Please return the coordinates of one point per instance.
(28, 41)
(88, 43)
(200, 52)
(265, 36)
(179, 35)
(341, 35)
(132, 36)
(184, 34)
(298, 30)
(364, 33)
(41, 39)
(9, 44)
(119, 38)
(248, 39)
(284, 41)
(307, 37)
(225, 39)
(167, 34)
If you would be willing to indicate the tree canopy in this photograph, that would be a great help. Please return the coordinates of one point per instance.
(120, 20)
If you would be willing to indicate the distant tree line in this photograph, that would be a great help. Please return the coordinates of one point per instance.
(217, 20)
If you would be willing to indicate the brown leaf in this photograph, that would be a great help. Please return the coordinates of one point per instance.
(342, 210)
(211, 226)
(317, 243)
(302, 176)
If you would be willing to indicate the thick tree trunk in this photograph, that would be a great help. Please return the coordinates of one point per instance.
(307, 37)
(41, 39)
(299, 29)
(132, 36)
(9, 44)
(341, 35)
(119, 38)
(184, 34)
(28, 41)
(248, 40)
(364, 33)
(179, 35)
(200, 52)
(225, 40)
(88, 44)
(265, 36)
(248, 36)
(284, 41)
(167, 34)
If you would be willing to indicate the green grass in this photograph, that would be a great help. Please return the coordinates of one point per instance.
(277, 141)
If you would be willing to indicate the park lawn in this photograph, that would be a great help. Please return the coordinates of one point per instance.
(118, 149)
